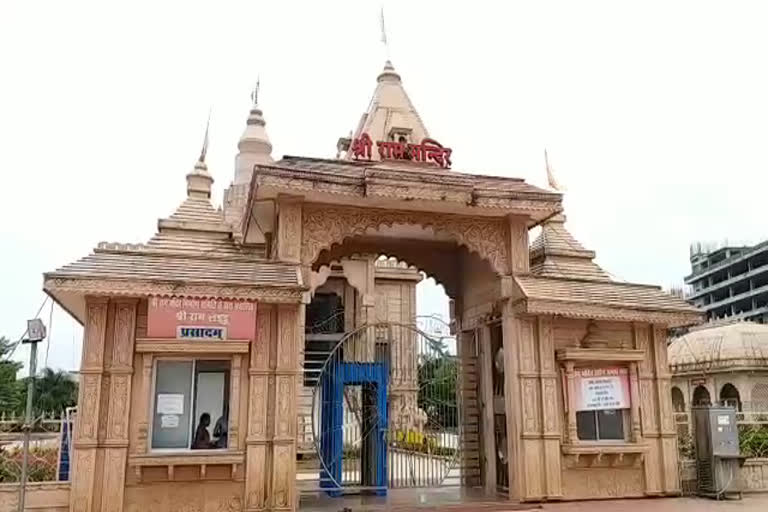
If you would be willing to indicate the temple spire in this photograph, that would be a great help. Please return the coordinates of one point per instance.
(254, 146)
(390, 114)
(199, 180)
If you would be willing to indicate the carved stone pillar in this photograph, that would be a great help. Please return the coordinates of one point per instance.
(83, 485)
(289, 228)
(486, 404)
(634, 400)
(553, 487)
(101, 434)
(517, 246)
(120, 371)
(511, 339)
(667, 431)
(571, 435)
(257, 481)
(649, 405)
(283, 394)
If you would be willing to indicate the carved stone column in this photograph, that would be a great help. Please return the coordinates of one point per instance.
(289, 228)
(120, 370)
(550, 411)
(486, 404)
(511, 339)
(517, 257)
(570, 378)
(283, 394)
(634, 399)
(101, 434)
(649, 405)
(257, 480)
(667, 431)
(83, 485)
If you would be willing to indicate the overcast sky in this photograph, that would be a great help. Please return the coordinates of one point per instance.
(655, 115)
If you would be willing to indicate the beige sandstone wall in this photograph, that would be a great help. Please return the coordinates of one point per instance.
(40, 497)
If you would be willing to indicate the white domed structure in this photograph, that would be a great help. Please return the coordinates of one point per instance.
(721, 364)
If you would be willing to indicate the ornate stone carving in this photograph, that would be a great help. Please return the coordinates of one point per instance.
(125, 322)
(287, 337)
(289, 231)
(147, 288)
(258, 406)
(325, 226)
(259, 356)
(530, 395)
(549, 400)
(88, 402)
(95, 329)
(285, 396)
(119, 399)
(282, 495)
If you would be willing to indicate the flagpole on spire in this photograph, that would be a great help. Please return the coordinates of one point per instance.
(255, 92)
(384, 33)
(204, 150)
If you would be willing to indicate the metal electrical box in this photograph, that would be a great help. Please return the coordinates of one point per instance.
(718, 461)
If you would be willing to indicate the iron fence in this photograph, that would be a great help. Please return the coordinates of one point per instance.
(49, 447)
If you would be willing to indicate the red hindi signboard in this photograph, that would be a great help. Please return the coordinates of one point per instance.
(192, 318)
(428, 150)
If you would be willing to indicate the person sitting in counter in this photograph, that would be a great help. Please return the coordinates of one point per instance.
(202, 437)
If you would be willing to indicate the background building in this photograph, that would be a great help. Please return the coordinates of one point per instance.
(730, 281)
(721, 364)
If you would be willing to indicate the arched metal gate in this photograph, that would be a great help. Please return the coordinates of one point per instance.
(385, 411)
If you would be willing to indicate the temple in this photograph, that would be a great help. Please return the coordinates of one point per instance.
(265, 355)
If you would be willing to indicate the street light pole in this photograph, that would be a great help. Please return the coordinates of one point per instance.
(35, 334)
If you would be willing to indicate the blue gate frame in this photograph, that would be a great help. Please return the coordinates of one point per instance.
(332, 420)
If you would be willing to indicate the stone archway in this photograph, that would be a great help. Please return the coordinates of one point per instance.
(701, 396)
(325, 227)
(678, 400)
(729, 396)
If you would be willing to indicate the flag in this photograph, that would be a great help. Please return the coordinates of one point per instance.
(205, 139)
(553, 183)
(383, 29)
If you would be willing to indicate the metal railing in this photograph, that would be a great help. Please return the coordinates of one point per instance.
(49, 448)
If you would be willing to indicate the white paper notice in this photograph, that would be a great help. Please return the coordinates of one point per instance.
(603, 393)
(169, 421)
(170, 404)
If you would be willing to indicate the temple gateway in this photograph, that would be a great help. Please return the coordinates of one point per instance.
(264, 355)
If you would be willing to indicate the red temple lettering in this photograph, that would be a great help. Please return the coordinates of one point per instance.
(428, 150)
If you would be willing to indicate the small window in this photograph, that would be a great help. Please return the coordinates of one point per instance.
(191, 405)
(603, 425)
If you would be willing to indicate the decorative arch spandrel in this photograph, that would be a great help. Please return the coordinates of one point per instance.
(324, 226)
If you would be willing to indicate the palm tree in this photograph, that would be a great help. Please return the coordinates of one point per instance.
(55, 390)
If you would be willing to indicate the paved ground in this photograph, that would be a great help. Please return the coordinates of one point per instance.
(750, 503)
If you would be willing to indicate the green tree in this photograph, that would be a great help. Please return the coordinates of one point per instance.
(437, 390)
(55, 390)
(9, 387)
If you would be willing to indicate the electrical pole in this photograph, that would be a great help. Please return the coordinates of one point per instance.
(35, 334)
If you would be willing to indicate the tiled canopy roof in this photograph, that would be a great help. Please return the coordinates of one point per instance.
(197, 209)
(361, 169)
(115, 264)
(565, 281)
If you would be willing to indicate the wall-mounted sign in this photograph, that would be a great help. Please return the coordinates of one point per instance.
(602, 388)
(201, 333)
(428, 150)
(202, 319)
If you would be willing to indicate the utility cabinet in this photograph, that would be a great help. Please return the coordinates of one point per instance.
(718, 461)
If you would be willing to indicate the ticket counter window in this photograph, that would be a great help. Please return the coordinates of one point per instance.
(190, 405)
(602, 403)
(605, 425)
